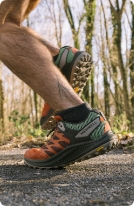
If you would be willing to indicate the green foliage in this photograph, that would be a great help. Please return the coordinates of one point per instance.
(121, 124)
(18, 121)
(36, 132)
(22, 125)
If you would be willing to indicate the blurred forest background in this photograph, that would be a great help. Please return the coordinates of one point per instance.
(105, 29)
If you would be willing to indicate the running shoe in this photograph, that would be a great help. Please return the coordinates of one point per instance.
(74, 142)
(75, 65)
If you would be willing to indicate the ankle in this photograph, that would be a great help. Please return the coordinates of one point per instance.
(75, 114)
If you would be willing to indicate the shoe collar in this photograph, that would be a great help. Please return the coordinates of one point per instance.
(58, 118)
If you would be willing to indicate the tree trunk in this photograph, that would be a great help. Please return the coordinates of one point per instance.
(1, 103)
(132, 68)
(71, 21)
(90, 7)
(117, 23)
(36, 107)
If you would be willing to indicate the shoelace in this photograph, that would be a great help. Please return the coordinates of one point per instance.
(43, 147)
(52, 130)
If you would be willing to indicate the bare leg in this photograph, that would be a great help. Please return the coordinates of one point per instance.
(15, 11)
(32, 4)
(23, 54)
(31, 61)
(53, 50)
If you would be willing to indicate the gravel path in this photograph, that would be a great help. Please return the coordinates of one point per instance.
(101, 181)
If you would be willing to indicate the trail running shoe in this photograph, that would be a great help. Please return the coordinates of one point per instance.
(74, 142)
(76, 66)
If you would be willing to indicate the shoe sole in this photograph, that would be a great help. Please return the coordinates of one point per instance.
(77, 153)
(79, 76)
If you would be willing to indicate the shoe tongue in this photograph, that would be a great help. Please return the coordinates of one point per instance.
(74, 50)
(46, 108)
(46, 105)
(58, 118)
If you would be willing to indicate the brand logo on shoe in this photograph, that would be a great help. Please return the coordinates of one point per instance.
(61, 126)
(89, 128)
(90, 117)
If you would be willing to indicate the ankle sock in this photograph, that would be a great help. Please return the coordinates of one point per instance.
(75, 114)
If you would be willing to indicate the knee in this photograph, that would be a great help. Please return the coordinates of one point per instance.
(7, 13)
(12, 11)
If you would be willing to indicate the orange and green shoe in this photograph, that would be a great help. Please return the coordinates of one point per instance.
(75, 65)
(74, 142)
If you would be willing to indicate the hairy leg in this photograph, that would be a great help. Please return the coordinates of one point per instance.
(32, 4)
(15, 11)
(31, 61)
(53, 50)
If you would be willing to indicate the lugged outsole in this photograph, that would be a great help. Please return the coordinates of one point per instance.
(104, 148)
(79, 77)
